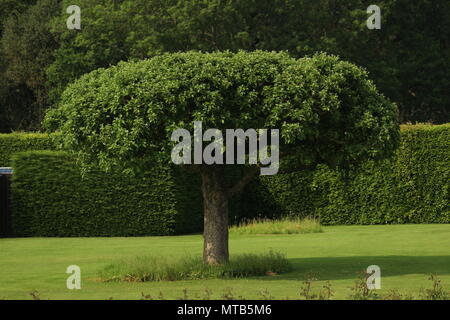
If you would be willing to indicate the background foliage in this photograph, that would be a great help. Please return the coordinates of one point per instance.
(408, 59)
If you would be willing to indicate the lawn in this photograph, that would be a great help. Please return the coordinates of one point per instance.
(406, 254)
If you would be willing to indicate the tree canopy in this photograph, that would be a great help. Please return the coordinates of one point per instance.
(327, 106)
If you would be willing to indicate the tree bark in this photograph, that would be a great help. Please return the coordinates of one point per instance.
(215, 203)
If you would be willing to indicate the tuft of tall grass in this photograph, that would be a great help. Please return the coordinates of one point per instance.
(152, 268)
(287, 225)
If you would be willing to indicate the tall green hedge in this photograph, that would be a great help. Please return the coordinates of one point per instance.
(51, 198)
(413, 187)
(22, 141)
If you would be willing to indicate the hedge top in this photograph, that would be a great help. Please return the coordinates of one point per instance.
(425, 126)
(22, 141)
(327, 110)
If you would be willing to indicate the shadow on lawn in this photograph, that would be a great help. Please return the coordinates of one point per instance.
(339, 268)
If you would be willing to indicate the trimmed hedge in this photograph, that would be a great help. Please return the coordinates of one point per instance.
(11, 143)
(51, 198)
(413, 187)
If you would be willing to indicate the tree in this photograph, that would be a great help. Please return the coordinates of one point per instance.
(13, 98)
(408, 58)
(327, 111)
(12, 7)
(27, 48)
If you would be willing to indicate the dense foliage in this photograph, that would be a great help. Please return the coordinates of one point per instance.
(18, 142)
(327, 110)
(408, 59)
(51, 198)
(413, 187)
(26, 50)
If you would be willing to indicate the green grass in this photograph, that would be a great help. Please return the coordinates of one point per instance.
(406, 254)
(160, 268)
(286, 225)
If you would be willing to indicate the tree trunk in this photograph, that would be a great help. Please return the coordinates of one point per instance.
(215, 203)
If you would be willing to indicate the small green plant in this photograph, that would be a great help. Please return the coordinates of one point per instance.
(185, 295)
(360, 291)
(287, 225)
(266, 295)
(146, 296)
(35, 295)
(151, 268)
(207, 294)
(328, 292)
(161, 296)
(437, 292)
(307, 292)
(228, 294)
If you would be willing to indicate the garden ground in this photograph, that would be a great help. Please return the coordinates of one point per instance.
(406, 254)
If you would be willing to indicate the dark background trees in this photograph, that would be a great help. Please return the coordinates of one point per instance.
(26, 50)
(408, 59)
(14, 99)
